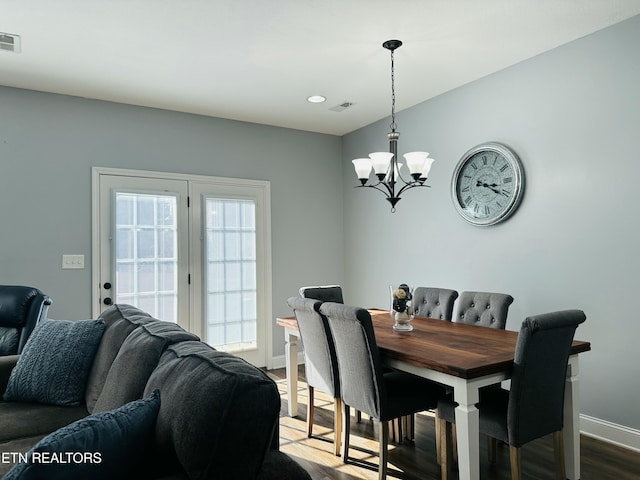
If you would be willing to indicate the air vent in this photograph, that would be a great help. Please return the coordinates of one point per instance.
(9, 42)
(342, 107)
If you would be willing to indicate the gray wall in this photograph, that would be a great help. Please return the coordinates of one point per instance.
(573, 116)
(48, 144)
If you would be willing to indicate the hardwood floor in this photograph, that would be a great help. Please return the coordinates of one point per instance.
(417, 460)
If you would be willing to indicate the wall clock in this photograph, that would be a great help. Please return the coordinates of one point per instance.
(487, 184)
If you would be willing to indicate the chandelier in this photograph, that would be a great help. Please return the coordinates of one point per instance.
(385, 165)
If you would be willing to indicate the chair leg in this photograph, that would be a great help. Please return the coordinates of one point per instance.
(454, 441)
(558, 448)
(446, 448)
(396, 430)
(310, 411)
(492, 444)
(337, 425)
(438, 435)
(384, 450)
(409, 426)
(516, 467)
(346, 425)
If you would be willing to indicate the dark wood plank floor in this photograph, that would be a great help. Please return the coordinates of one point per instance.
(417, 460)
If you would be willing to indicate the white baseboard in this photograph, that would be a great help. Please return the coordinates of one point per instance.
(610, 432)
(592, 427)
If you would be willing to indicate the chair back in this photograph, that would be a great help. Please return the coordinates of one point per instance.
(361, 382)
(434, 302)
(321, 364)
(21, 308)
(484, 309)
(536, 398)
(324, 293)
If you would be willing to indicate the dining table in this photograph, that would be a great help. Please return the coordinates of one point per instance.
(463, 357)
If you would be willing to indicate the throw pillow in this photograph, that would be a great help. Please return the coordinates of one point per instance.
(106, 445)
(55, 362)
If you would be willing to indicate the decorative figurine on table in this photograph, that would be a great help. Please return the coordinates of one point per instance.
(401, 307)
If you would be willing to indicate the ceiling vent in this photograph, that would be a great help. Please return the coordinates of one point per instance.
(342, 107)
(9, 42)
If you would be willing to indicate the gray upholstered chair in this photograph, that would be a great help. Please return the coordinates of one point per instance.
(484, 309)
(364, 385)
(534, 405)
(434, 302)
(21, 308)
(324, 293)
(321, 365)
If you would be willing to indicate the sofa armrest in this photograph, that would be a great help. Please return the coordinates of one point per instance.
(6, 366)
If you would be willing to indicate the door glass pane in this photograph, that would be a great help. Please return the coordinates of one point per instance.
(230, 253)
(146, 263)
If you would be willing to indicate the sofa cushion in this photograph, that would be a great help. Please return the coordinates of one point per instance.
(120, 320)
(280, 466)
(142, 348)
(22, 419)
(105, 445)
(218, 412)
(11, 451)
(55, 363)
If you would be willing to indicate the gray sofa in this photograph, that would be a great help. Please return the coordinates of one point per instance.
(218, 416)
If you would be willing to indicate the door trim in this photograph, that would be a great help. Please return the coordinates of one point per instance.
(263, 185)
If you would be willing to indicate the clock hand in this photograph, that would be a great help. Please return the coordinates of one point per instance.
(490, 187)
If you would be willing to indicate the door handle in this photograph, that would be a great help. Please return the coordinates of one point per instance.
(107, 286)
(107, 301)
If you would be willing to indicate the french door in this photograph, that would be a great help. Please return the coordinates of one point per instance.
(187, 249)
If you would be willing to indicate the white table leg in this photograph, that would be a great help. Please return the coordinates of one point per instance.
(572, 420)
(468, 431)
(291, 369)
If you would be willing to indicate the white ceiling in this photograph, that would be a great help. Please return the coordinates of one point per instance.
(258, 60)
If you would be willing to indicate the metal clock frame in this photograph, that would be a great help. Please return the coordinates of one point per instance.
(518, 182)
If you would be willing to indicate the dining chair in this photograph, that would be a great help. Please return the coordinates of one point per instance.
(320, 363)
(534, 405)
(365, 385)
(485, 309)
(434, 302)
(324, 293)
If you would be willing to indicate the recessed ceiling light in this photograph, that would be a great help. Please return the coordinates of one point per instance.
(316, 99)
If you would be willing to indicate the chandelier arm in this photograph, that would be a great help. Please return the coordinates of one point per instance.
(411, 185)
(386, 193)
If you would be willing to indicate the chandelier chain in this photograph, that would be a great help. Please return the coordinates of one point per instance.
(393, 96)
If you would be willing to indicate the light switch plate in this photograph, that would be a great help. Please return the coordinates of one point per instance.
(72, 261)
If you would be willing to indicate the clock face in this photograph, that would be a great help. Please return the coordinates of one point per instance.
(487, 184)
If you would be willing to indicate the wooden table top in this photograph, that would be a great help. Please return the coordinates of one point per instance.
(465, 351)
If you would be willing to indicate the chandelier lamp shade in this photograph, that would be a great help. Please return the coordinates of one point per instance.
(385, 165)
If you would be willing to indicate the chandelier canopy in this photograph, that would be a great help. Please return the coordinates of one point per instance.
(385, 165)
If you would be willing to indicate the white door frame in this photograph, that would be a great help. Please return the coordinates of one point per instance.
(263, 247)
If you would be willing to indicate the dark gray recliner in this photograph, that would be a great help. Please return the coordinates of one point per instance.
(365, 385)
(534, 406)
(21, 308)
(434, 302)
(321, 364)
